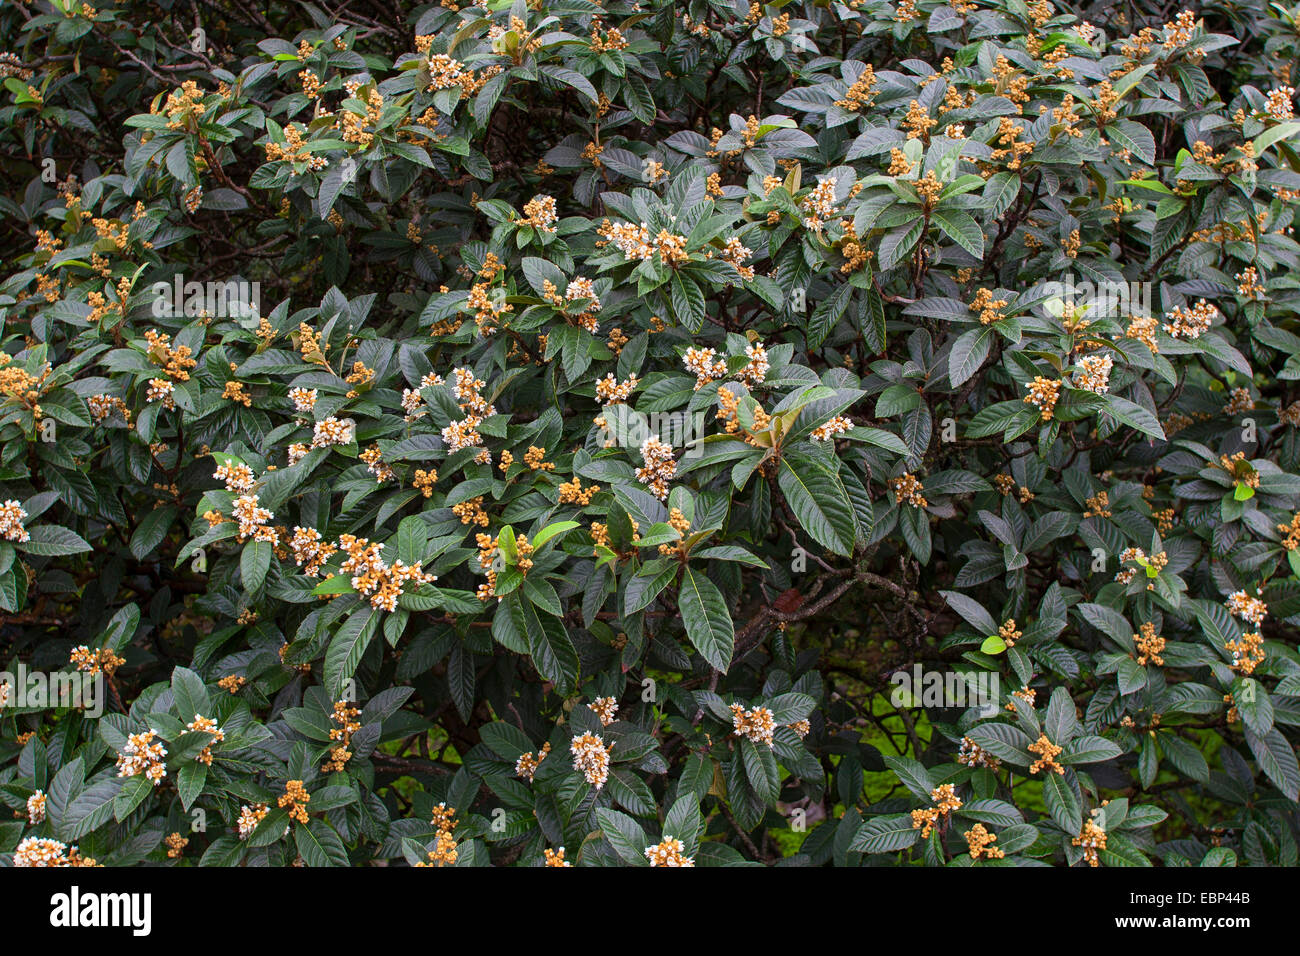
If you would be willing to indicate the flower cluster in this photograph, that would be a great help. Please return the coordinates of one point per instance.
(756, 370)
(907, 488)
(591, 758)
(36, 807)
(988, 308)
(374, 578)
(830, 428)
(42, 851)
(333, 431)
(980, 843)
(527, 764)
(345, 716)
(93, 662)
(1091, 838)
(669, 851)
(972, 754)
(1247, 652)
(249, 818)
(1043, 395)
(1248, 608)
(1047, 754)
(1093, 373)
(295, 799)
(444, 852)
(206, 725)
(539, 212)
(757, 724)
(253, 520)
(239, 478)
(659, 467)
(554, 857)
(141, 756)
(632, 241)
(12, 517)
(819, 204)
(610, 391)
(1190, 324)
(310, 550)
(1149, 645)
(605, 708)
(945, 802)
(705, 364)
(572, 492)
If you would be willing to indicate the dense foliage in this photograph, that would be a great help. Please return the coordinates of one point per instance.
(459, 433)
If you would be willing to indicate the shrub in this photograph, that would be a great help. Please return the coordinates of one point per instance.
(543, 433)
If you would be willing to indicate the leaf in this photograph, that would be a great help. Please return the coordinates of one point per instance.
(1134, 137)
(1184, 756)
(1254, 705)
(973, 613)
(338, 176)
(1120, 851)
(961, 229)
(549, 645)
(412, 539)
(571, 78)
(996, 813)
(461, 679)
(1282, 131)
(913, 775)
(827, 315)
(132, 794)
(190, 695)
(318, 844)
(760, 770)
(1133, 415)
(896, 244)
(541, 593)
(347, 647)
(1017, 838)
(1062, 803)
(53, 541)
(189, 783)
(1219, 856)
(1090, 749)
(968, 353)
(638, 98)
(1059, 722)
(887, 834)
(226, 851)
(880, 139)
(688, 302)
(1003, 741)
(1278, 761)
(151, 530)
(641, 588)
(791, 707)
(551, 530)
(90, 809)
(820, 503)
(540, 271)
(1110, 622)
(334, 584)
(999, 193)
(624, 835)
(254, 563)
(1132, 676)
(708, 622)
(684, 822)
